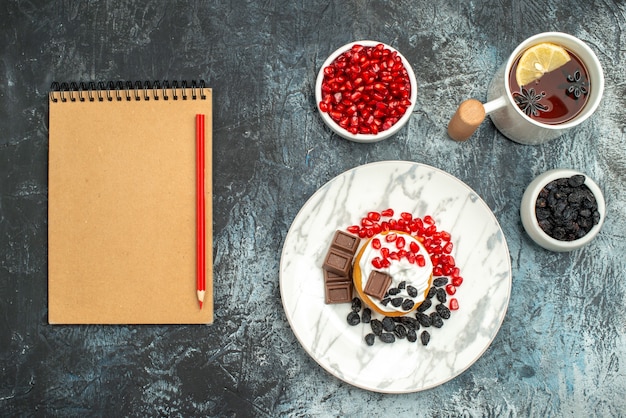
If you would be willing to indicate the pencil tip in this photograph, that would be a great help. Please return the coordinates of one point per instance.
(200, 302)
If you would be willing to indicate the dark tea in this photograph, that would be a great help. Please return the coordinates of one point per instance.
(557, 97)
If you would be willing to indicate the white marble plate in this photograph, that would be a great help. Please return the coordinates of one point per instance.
(480, 251)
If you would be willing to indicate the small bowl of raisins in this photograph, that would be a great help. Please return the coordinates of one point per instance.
(562, 210)
(366, 91)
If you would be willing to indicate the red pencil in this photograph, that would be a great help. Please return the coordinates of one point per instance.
(200, 218)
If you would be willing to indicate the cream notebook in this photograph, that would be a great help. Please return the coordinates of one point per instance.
(122, 204)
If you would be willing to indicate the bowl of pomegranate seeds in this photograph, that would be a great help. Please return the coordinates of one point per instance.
(562, 210)
(366, 91)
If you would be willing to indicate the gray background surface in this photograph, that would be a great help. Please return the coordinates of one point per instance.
(561, 350)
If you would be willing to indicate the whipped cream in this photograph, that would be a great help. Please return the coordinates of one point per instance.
(400, 270)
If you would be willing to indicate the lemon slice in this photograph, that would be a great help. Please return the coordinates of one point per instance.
(538, 60)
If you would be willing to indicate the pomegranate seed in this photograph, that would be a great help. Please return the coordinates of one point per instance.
(374, 216)
(384, 226)
(366, 222)
(437, 271)
(387, 212)
(428, 220)
(414, 247)
(377, 228)
(400, 242)
(362, 232)
(376, 244)
(445, 236)
(370, 232)
(420, 260)
(457, 281)
(447, 248)
(406, 216)
(391, 237)
(411, 258)
(454, 304)
(455, 272)
(385, 252)
(402, 253)
(385, 263)
(394, 256)
(354, 229)
(450, 289)
(377, 262)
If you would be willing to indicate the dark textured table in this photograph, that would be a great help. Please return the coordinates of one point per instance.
(561, 350)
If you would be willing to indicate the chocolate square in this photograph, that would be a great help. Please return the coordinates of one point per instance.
(345, 242)
(377, 284)
(338, 262)
(330, 277)
(340, 292)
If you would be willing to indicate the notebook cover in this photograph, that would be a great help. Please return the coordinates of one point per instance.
(121, 211)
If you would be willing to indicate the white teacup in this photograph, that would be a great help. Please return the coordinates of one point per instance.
(505, 113)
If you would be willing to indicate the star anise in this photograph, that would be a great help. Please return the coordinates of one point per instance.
(529, 101)
(578, 85)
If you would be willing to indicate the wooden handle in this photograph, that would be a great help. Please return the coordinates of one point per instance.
(466, 120)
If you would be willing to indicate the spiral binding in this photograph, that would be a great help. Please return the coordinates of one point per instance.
(120, 90)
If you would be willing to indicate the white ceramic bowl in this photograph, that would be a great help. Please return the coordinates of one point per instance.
(529, 219)
(366, 138)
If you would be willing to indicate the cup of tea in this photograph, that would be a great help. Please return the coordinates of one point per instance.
(551, 83)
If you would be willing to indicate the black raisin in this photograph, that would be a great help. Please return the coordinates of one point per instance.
(385, 301)
(440, 281)
(411, 335)
(576, 180)
(402, 284)
(423, 319)
(388, 324)
(394, 291)
(441, 294)
(410, 323)
(354, 318)
(436, 320)
(387, 337)
(425, 337)
(377, 326)
(397, 301)
(425, 305)
(366, 316)
(400, 331)
(443, 311)
(369, 339)
(431, 292)
(407, 304)
(411, 291)
(356, 305)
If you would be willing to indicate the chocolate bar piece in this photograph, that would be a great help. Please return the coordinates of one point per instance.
(345, 242)
(330, 277)
(377, 284)
(337, 262)
(340, 292)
